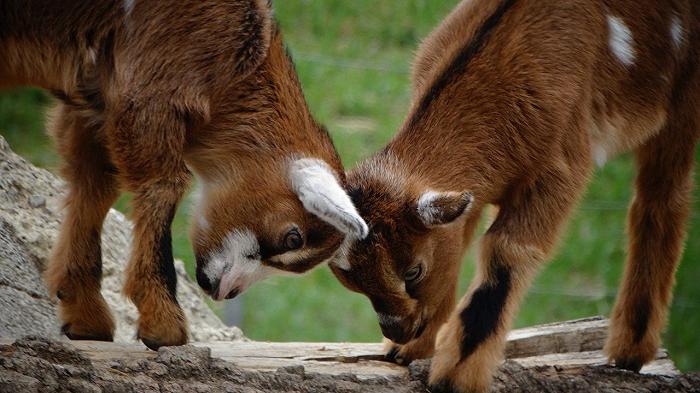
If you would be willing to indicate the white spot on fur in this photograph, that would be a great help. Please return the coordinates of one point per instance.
(621, 41)
(237, 264)
(677, 31)
(600, 156)
(128, 6)
(319, 191)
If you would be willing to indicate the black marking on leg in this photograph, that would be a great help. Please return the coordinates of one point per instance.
(481, 317)
(165, 255)
(640, 318)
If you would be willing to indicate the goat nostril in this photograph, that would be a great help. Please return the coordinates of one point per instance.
(233, 293)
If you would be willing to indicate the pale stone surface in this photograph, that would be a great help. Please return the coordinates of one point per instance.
(30, 213)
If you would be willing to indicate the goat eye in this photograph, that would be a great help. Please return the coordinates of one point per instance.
(293, 240)
(413, 273)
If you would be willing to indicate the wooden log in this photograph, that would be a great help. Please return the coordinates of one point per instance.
(579, 335)
(556, 357)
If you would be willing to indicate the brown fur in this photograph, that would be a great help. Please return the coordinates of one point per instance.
(516, 122)
(146, 93)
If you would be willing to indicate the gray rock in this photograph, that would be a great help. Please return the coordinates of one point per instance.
(37, 201)
(30, 214)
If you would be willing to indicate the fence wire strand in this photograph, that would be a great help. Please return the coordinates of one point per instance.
(347, 63)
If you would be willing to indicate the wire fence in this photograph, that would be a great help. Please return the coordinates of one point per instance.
(347, 63)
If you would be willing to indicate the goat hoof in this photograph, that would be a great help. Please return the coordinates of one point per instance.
(155, 341)
(66, 330)
(394, 355)
(153, 345)
(442, 387)
(632, 364)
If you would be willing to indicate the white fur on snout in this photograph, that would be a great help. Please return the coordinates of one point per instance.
(320, 192)
(621, 41)
(237, 264)
(215, 268)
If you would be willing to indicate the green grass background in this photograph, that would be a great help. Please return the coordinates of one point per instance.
(353, 59)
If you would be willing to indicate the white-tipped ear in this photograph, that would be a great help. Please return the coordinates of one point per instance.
(439, 208)
(319, 191)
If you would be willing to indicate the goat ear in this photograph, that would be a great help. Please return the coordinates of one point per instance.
(321, 194)
(254, 34)
(439, 208)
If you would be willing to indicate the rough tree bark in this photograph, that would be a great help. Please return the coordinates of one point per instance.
(562, 357)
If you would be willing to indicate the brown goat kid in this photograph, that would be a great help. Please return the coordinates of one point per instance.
(514, 102)
(149, 90)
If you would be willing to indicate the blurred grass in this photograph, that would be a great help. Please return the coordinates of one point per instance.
(353, 59)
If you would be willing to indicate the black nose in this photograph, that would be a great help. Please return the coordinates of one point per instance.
(395, 332)
(203, 280)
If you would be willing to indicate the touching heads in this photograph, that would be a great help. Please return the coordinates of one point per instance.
(405, 264)
(269, 222)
